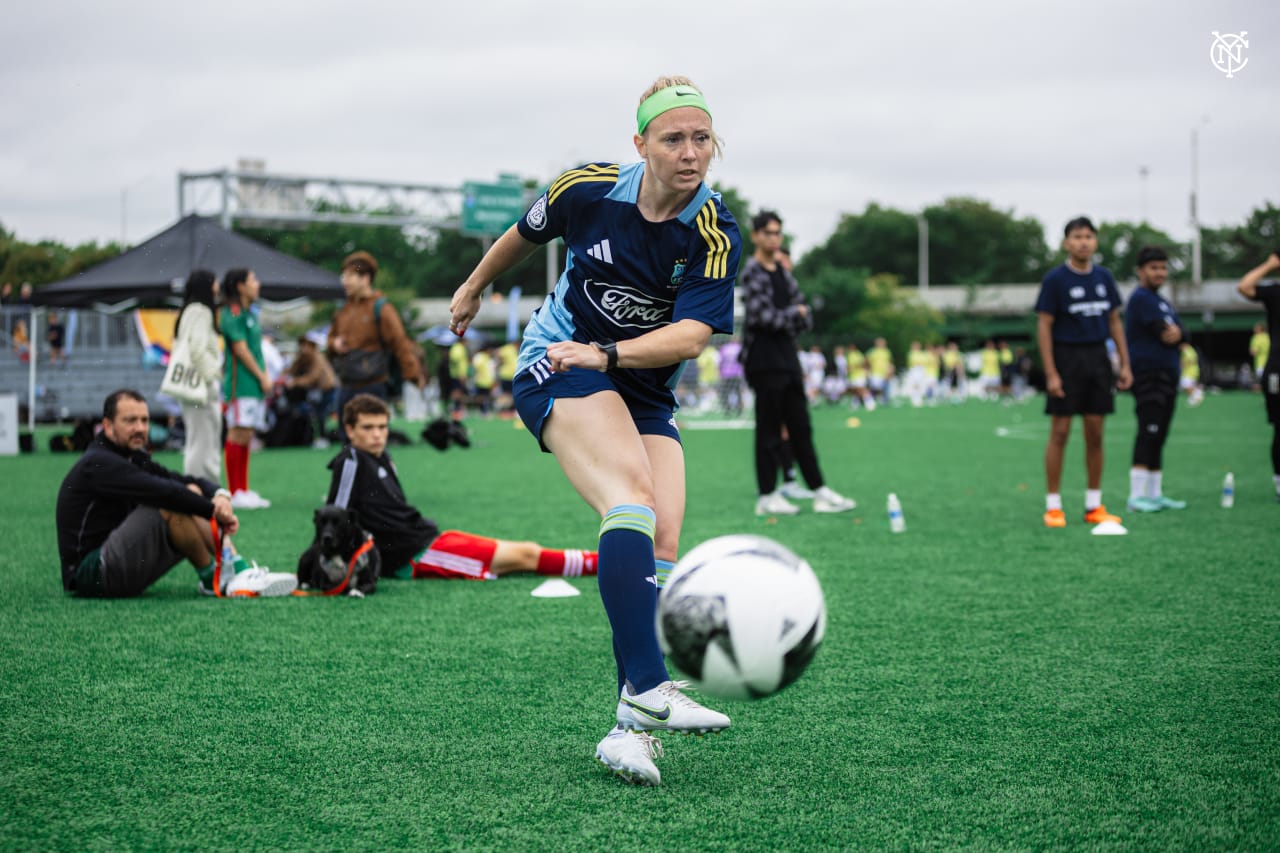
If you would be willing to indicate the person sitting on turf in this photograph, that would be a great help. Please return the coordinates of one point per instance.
(124, 520)
(365, 480)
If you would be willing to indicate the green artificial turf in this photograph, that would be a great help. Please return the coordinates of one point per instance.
(985, 682)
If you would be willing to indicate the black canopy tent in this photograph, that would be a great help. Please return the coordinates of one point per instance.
(153, 273)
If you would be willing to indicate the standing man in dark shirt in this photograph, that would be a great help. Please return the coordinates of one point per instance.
(775, 314)
(124, 521)
(365, 480)
(1253, 287)
(1154, 333)
(57, 338)
(1077, 310)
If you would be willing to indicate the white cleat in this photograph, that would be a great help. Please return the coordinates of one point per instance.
(796, 492)
(775, 504)
(665, 708)
(248, 499)
(630, 755)
(826, 499)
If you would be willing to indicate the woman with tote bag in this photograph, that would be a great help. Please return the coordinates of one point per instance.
(197, 327)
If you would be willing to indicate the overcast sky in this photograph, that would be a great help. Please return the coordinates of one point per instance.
(1048, 109)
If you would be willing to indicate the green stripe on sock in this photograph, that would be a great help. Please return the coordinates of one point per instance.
(640, 519)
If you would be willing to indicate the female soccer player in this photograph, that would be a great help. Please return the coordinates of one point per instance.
(245, 383)
(652, 257)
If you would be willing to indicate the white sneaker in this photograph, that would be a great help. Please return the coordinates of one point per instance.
(666, 708)
(249, 499)
(630, 755)
(796, 492)
(775, 504)
(826, 499)
(258, 582)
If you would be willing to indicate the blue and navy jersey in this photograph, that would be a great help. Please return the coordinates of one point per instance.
(1081, 303)
(1145, 317)
(625, 275)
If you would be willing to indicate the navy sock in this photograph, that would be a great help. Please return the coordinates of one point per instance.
(628, 588)
(617, 662)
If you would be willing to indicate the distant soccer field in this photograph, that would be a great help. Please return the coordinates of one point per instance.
(985, 682)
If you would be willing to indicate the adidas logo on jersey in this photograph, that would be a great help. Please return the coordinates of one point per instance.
(600, 251)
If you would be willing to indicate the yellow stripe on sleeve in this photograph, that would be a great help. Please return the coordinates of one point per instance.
(717, 241)
(584, 175)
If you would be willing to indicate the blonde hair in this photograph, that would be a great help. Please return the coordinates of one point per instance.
(666, 81)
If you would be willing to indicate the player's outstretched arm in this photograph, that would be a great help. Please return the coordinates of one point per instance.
(509, 250)
(1248, 285)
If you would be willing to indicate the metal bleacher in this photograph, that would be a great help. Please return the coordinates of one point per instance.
(105, 354)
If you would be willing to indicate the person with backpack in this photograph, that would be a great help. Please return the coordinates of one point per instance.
(366, 336)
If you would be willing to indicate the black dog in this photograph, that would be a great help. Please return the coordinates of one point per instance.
(326, 566)
(441, 432)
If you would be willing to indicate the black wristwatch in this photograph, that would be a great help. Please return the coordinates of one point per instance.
(610, 350)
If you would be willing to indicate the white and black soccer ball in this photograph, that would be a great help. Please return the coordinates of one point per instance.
(742, 615)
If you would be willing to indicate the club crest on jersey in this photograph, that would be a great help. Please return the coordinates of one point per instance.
(537, 215)
(677, 272)
(1101, 290)
(628, 307)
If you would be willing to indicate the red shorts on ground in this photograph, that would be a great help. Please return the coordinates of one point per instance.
(454, 554)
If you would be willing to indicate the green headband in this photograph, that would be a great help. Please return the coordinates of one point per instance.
(670, 98)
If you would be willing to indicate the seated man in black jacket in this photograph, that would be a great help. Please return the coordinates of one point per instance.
(365, 480)
(124, 520)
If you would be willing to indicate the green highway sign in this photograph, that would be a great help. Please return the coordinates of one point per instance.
(489, 209)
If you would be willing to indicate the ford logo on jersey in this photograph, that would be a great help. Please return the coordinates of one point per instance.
(628, 307)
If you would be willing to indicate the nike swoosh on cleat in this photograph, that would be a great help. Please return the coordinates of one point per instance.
(661, 716)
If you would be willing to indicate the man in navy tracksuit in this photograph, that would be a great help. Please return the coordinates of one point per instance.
(1154, 333)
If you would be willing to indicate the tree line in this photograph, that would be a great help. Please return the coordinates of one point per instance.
(971, 242)
(860, 280)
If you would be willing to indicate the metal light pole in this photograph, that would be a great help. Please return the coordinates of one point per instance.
(922, 251)
(1143, 172)
(1196, 276)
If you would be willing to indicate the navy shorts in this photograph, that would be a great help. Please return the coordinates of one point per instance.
(1087, 380)
(538, 388)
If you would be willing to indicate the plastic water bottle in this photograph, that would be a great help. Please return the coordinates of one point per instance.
(1228, 491)
(897, 523)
